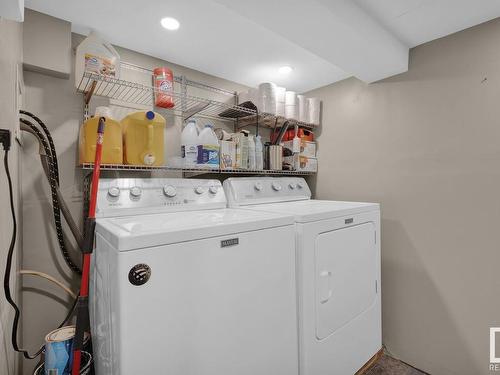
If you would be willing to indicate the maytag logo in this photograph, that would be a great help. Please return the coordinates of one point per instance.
(230, 242)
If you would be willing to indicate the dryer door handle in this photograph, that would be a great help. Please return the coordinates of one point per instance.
(325, 286)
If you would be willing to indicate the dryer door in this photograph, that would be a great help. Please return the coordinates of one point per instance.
(346, 274)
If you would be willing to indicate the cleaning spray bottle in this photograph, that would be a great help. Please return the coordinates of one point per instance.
(259, 156)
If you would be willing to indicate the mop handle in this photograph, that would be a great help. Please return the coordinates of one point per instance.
(82, 315)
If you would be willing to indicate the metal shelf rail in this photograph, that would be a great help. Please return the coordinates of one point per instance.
(144, 168)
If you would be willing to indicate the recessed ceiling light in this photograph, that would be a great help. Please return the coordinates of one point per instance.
(170, 23)
(285, 69)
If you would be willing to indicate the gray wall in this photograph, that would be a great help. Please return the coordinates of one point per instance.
(55, 101)
(10, 58)
(426, 145)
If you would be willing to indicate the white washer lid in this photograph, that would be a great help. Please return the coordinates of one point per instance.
(141, 231)
(314, 210)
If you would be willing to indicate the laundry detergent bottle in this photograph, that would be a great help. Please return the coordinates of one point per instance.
(208, 148)
(189, 144)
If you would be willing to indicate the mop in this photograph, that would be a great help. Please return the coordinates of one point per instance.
(82, 318)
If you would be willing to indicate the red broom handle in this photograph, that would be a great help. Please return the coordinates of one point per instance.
(84, 285)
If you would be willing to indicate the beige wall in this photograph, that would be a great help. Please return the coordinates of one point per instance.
(55, 101)
(426, 145)
(10, 58)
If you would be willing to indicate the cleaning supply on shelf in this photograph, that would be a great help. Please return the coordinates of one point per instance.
(227, 154)
(189, 144)
(112, 148)
(251, 153)
(95, 55)
(241, 140)
(163, 80)
(208, 148)
(143, 138)
(259, 156)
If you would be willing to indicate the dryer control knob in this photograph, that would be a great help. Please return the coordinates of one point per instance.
(169, 191)
(135, 192)
(114, 192)
(213, 189)
(199, 190)
(292, 186)
(276, 186)
(300, 185)
(258, 186)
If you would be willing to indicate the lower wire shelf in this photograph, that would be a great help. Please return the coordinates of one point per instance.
(144, 168)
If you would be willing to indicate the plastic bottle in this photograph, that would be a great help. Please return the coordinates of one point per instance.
(208, 148)
(251, 152)
(163, 79)
(95, 55)
(259, 156)
(189, 144)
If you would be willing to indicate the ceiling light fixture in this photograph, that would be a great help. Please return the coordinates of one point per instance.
(285, 69)
(170, 23)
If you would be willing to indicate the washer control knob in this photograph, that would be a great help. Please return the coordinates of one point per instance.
(135, 192)
(213, 189)
(114, 192)
(258, 186)
(169, 191)
(199, 190)
(300, 185)
(292, 186)
(276, 186)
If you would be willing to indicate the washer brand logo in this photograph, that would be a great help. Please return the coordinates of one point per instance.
(230, 242)
(494, 360)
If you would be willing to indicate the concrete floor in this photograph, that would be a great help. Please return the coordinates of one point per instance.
(390, 366)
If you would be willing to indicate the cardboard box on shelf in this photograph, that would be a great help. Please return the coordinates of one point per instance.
(302, 163)
(307, 148)
(227, 154)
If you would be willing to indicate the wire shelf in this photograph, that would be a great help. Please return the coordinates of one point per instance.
(93, 84)
(270, 121)
(144, 168)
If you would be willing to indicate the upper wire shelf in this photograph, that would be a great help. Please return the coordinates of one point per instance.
(145, 168)
(93, 84)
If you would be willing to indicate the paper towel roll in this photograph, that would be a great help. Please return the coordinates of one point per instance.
(280, 101)
(267, 93)
(303, 113)
(280, 109)
(291, 112)
(314, 108)
(290, 98)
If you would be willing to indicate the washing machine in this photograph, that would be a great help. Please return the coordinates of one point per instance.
(338, 271)
(183, 285)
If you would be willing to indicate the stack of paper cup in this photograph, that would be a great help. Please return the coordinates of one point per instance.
(303, 113)
(313, 109)
(280, 101)
(267, 93)
(291, 105)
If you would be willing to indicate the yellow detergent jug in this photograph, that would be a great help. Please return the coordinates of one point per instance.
(112, 147)
(143, 134)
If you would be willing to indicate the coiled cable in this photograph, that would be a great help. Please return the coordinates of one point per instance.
(55, 200)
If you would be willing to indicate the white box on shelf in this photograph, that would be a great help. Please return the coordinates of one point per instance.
(302, 163)
(307, 148)
(227, 154)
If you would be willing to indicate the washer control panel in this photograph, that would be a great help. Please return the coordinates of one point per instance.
(131, 196)
(243, 191)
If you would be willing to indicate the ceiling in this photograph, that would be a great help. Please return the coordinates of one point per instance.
(247, 41)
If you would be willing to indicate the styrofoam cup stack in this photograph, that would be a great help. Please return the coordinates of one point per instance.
(267, 94)
(314, 110)
(291, 107)
(280, 101)
(303, 113)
